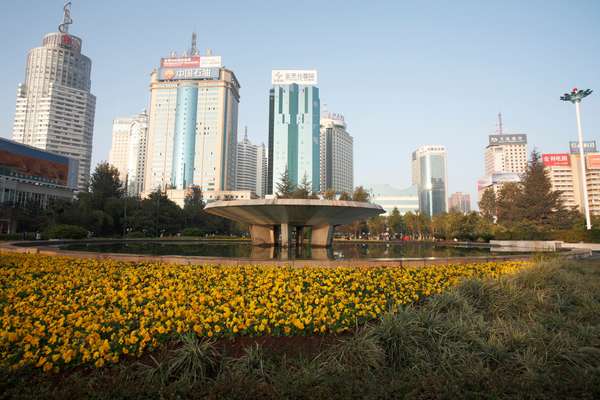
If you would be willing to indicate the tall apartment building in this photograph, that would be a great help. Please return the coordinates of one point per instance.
(294, 122)
(460, 202)
(336, 153)
(128, 151)
(566, 176)
(429, 174)
(54, 107)
(192, 127)
(251, 161)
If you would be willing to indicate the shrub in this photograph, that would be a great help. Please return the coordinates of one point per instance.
(66, 232)
(192, 232)
(136, 235)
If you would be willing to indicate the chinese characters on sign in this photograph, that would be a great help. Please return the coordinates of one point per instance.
(556, 160)
(191, 62)
(299, 77)
(507, 139)
(588, 147)
(171, 74)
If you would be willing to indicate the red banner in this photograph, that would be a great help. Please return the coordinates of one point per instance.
(556, 160)
(181, 62)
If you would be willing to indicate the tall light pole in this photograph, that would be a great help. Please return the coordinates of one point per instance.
(575, 97)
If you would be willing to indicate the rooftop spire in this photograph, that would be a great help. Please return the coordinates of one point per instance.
(194, 49)
(64, 27)
(246, 133)
(500, 132)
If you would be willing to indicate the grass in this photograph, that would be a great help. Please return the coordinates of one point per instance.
(534, 335)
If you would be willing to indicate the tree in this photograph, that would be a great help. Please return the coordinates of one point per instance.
(345, 196)
(487, 204)
(361, 195)
(329, 194)
(396, 222)
(508, 211)
(104, 184)
(376, 225)
(193, 209)
(157, 215)
(285, 186)
(304, 190)
(537, 202)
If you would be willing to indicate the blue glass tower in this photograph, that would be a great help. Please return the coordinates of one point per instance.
(294, 134)
(185, 136)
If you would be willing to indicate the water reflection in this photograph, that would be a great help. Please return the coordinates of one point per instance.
(340, 250)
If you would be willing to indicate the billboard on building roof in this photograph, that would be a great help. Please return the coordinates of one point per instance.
(25, 162)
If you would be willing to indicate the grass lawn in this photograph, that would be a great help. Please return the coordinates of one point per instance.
(535, 334)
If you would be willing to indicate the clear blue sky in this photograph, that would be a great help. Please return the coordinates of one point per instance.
(404, 73)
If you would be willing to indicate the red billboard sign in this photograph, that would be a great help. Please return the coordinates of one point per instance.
(556, 160)
(593, 161)
(181, 62)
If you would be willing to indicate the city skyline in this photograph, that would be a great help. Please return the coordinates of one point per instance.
(427, 106)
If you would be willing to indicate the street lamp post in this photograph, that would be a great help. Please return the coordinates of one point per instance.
(575, 97)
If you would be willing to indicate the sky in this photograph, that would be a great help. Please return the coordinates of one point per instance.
(403, 73)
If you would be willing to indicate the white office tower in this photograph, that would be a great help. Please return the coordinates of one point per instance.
(505, 159)
(251, 167)
(54, 108)
(506, 153)
(337, 154)
(192, 128)
(128, 151)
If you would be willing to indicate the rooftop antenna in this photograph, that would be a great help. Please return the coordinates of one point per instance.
(64, 27)
(246, 133)
(194, 50)
(500, 132)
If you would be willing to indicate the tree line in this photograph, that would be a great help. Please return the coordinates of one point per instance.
(106, 211)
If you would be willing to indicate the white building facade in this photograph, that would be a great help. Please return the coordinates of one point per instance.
(389, 197)
(566, 176)
(337, 154)
(54, 108)
(128, 151)
(506, 158)
(250, 164)
(192, 127)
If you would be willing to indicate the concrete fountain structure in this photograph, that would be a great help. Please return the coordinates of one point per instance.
(277, 221)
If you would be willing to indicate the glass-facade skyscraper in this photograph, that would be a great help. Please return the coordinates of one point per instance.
(429, 174)
(192, 132)
(294, 128)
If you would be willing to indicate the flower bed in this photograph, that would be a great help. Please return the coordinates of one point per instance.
(58, 312)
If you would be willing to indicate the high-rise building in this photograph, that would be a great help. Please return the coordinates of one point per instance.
(337, 158)
(564, 171)
(192, 128)
(294, 135)
(460, 202)
(251, 161)
(389, 197)
(429, 174)
(128, 151)
(505, 159)
(54, 108)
